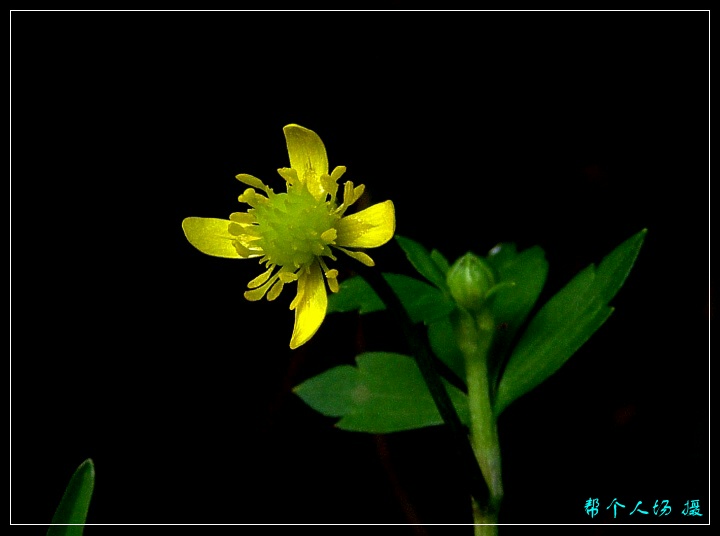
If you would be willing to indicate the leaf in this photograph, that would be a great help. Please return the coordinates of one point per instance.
(565, 322)
(441, 261)
(511, 305)
(384, 393)
(355, 294)
(423, 261)
(528, 271)
(444, 345)
(423, 302)
(74, 505)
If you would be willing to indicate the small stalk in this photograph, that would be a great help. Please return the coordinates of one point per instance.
(474, 333)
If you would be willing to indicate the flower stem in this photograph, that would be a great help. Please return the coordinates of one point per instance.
(474, 334)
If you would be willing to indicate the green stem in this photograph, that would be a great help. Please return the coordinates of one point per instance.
(474, 334)
(485, 520)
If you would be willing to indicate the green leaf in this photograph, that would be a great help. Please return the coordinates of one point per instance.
(355, 294)
(441, 261)
(384, 393)
(444, 345)
(565, 322)
(528, 271)
(70, 515)
(511, 304)
(423, 302)
(423, 261)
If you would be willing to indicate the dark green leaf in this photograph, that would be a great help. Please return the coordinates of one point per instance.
(355, 295)
(423, 302)
(442, 340)
(384, 393)
(422, 261)
(565, 322)
(528, 271)
(74, 505)
(440, 260)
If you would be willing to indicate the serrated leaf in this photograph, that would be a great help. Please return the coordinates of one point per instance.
(423, 302)
(70, 515)
(565, 322)
(422, 261)
(384, 393)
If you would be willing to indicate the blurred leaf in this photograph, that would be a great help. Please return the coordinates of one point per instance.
(384, 393)
(565, 322)
(423, 261)
(423, 302)
(74, 505)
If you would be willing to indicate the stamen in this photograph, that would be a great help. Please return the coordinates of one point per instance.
(290, 175)
(259, 280)
(243, 217)
(329, 186)
(357, 192)
(236, 229)
(253, 181)
(258, 293)
(249, 231)
(287, 277)
(329, 236)
(358, 256)
(338, 172)
(330, 275)
(275, 290)
(244, 251)
(347, 195)
(333, 282)
(252, 198)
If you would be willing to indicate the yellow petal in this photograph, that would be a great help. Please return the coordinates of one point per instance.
(368, 228)
(211, 236)
(311, 307)
(308, 157)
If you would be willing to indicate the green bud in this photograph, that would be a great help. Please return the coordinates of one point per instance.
(470, 279)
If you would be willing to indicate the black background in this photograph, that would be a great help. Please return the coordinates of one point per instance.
(568, 130)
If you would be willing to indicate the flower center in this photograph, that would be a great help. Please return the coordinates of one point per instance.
(294, 227)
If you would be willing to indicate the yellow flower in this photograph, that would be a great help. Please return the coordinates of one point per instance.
(293, 232)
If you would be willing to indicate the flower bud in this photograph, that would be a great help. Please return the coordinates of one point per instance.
(469, 280)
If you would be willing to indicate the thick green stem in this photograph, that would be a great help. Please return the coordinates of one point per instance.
(485, 520)
(474, 334)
